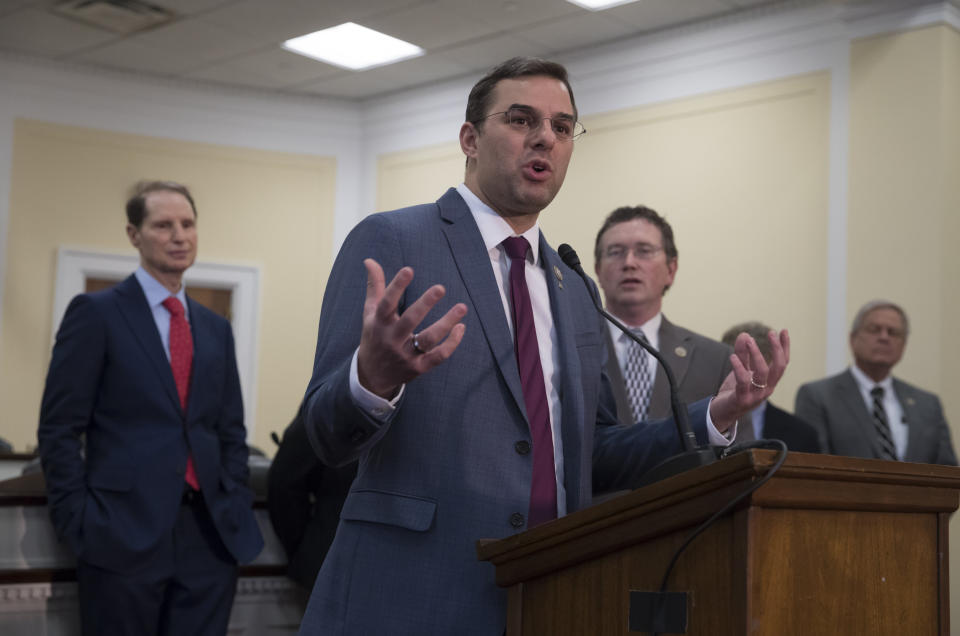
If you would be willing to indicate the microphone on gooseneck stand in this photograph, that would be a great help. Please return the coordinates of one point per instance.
(692, 455)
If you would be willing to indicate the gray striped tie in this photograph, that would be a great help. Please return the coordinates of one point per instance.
(887, 449)
(638, 378)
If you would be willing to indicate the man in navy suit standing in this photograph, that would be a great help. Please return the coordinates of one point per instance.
(142, 440)
(471, 386)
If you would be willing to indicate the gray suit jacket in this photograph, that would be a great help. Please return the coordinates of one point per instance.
(452, 464)
(835, 407)
(700, 370)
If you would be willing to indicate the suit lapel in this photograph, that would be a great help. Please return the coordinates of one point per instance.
(473, 263)
(910, 417)
(669, 342)
(136, 312)
(849, 396)
(201, 331)
(617, 384)
(571, 397)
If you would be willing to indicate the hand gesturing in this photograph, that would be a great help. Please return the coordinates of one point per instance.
(390, 354)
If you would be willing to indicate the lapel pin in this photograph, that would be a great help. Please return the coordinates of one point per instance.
(681, 351)
(559, 275)
(910, 402)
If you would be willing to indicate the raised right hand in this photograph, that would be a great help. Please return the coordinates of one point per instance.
(387, 357)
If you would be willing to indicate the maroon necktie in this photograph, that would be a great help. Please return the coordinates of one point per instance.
(181, 362)
(543, 490)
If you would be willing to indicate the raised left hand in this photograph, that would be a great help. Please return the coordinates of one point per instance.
(752, 380)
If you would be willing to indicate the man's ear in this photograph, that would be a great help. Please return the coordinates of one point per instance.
(672, 265)
(133, 233)
(469, 136)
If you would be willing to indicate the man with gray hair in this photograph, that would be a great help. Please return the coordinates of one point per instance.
(768, 421)
(865, 411)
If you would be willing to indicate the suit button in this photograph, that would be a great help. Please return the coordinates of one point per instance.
(358, 435)
(516, 520)
(522, 447)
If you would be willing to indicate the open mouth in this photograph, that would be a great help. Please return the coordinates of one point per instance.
(538, 169)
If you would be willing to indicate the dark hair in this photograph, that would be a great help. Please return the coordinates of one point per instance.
(137, 205)
(756, 330)
(481, 94)
(627, 213)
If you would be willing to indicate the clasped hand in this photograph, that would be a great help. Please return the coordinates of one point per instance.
(390, 353)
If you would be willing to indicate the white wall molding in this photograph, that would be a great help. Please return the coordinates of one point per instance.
(75, 265)
(893, 16)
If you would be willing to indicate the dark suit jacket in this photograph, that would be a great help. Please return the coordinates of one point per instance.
(453, 463)
(304, 498)
(114, 439)
(835, 407)
(794, 432)
(698, 363)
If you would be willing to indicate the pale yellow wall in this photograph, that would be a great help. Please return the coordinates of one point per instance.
(418, 176)
(741, 176)
(905, 204)
(267, 209)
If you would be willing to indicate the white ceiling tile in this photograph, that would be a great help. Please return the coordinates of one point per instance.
(132, 55)
(743, 4)
(428, 27)
(386, 79)
(482, 54)
(191, 7)
(576, 31)
(270, 68)
(38, 32)
(6, 6)
(650, 15)
(510, 15)
(194, 37)
(237, 41)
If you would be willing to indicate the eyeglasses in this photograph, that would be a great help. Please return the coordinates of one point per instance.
(641, 251)
(525, 121)
(874, 329)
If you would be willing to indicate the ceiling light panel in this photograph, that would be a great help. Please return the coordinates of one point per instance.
(353, 47)
(599, 5)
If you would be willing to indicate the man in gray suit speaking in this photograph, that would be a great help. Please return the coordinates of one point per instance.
(471, 386)
(865, 411)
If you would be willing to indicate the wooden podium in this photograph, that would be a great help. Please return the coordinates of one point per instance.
(830, 545)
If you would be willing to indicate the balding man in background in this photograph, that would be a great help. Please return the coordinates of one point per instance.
(865, 411)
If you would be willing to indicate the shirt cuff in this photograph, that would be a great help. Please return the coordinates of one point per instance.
(370, 403)
(715, 437)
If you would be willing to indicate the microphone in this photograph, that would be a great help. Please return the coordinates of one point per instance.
(692, 455)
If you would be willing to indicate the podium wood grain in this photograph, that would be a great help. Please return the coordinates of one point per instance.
(830, 545)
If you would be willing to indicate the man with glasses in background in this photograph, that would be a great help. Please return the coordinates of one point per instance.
(865, 411)
(471, 387)
(636, 262)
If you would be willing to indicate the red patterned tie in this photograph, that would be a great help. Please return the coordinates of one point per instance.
(543, 490)
(181, 361)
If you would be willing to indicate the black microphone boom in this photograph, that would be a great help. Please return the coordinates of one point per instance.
(692, 455)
